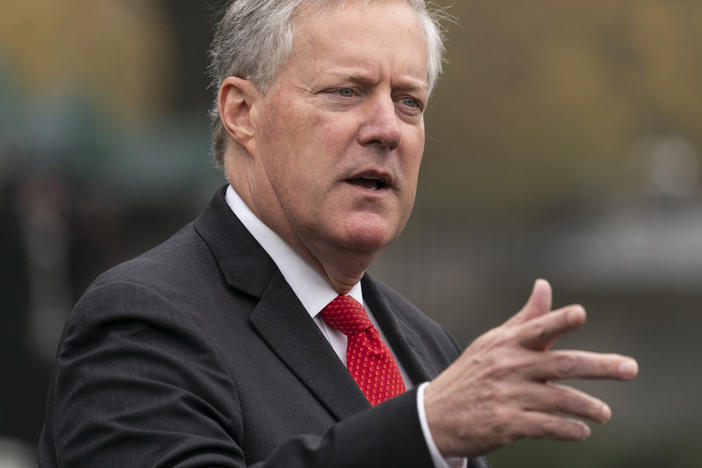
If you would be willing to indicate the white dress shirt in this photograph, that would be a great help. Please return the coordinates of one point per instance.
(315, 293)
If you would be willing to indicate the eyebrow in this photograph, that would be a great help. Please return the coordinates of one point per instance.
(408, 83)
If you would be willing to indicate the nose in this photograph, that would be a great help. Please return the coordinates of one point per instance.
(381, 126)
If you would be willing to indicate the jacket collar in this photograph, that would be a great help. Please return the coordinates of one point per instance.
(283, 323)
(243, 262)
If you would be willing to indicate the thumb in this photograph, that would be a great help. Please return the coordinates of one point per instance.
(538, 304)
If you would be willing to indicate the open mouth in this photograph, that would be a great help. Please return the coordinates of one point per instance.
(370, 183)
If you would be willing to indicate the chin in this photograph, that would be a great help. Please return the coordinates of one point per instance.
(369, 238)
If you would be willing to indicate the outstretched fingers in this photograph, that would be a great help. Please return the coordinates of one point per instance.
(537, 425)
(551, 398)
(566, 364)
(502, 387)
(540, 333)
(539, 303)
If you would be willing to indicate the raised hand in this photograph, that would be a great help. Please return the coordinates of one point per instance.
(501, 388)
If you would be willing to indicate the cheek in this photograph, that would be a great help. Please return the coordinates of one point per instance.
(324, 145)
(414, 152)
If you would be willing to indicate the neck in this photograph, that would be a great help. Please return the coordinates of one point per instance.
(341, 268)
(344, 272)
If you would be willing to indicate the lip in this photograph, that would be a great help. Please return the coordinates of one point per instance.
(373, 180)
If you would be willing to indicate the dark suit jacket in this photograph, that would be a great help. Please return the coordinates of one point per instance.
(198, 353)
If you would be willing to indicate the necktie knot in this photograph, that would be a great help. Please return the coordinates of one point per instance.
(368, 359)
(347, 315)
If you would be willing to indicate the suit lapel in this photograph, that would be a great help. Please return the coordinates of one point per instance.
(291, 333)
(401, 337)
(279, 318)
(244, 263)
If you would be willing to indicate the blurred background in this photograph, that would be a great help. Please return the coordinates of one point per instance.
(564, 141)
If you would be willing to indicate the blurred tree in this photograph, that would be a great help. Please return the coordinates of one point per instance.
(115, 53)
(541, 102)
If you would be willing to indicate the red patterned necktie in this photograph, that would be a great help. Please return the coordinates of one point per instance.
(368, 359)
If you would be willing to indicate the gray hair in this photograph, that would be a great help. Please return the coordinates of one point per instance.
(255, 37)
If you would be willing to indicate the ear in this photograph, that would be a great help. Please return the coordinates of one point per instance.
(235, 101)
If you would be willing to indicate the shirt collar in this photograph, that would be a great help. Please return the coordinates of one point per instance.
(310, 288)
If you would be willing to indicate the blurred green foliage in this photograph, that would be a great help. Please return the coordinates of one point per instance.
(542, 102)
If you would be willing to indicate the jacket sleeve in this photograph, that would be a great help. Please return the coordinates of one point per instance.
(137, 384)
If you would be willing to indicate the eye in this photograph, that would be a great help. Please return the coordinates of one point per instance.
(410, 102)
(346, 92)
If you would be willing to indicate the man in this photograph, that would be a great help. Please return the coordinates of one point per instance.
(231, 343)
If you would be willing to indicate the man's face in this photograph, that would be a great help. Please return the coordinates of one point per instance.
(340, 133)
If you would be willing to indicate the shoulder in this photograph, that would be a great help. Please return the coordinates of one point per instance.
(146, 290)
(141, 350)
(175, 289)
(184, 256)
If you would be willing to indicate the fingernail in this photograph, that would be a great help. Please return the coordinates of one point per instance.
(606, 413)
(586, 432)
(629, 368)
(575, 315)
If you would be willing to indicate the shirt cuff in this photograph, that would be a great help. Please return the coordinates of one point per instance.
(436, 457)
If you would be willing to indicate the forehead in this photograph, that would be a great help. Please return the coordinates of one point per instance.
(359, 32)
